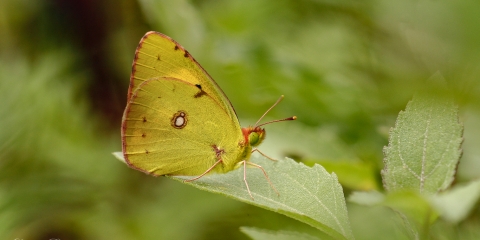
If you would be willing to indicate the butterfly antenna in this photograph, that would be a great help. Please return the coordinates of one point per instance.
(279, 120)
(275, 104)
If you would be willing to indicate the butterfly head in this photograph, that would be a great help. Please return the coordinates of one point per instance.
(254, 135)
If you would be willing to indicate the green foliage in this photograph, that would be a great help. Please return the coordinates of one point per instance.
(424, 146)
(420, 161)
(457, 203)
(310, 195)
(261, 234)
(346, 69)
(352, 174)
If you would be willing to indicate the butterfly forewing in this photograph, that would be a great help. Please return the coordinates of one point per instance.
(158, 55)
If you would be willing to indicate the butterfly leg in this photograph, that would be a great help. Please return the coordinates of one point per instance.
(264, 173)
(208, 170)
(245, 178)
(263, 154)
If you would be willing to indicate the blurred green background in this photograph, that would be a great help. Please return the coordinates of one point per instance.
(346, 69)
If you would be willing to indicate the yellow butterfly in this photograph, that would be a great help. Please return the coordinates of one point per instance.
(178, 121)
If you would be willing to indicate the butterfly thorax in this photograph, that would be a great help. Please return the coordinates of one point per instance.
(253, 136)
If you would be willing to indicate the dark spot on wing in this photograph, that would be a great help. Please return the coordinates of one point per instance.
(200, 93)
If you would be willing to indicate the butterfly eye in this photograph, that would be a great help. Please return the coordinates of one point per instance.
(256, 137)
(253, 138)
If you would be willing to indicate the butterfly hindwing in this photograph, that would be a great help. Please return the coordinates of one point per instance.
(172, 127)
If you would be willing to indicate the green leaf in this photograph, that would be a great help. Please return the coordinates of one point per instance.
(455, 204)
(413, 208)
(412, 204)
(351, 174)
(262, 234)
(366, 198)
(307, 194)
(424, 146)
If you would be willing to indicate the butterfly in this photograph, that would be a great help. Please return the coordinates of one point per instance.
(178, 121)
